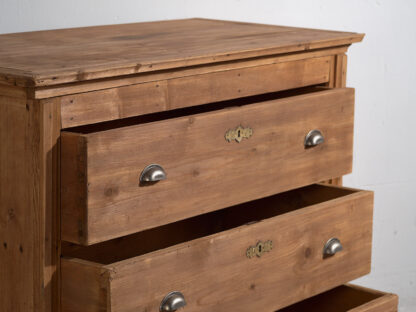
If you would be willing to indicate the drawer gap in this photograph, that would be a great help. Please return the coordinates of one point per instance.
(203, 225)
(187, 111)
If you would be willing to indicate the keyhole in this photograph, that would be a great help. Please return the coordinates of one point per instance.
(239, 133)
(260, 248)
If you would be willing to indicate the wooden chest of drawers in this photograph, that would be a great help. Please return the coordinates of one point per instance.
(189, 164)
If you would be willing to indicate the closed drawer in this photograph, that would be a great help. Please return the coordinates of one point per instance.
(347, 298)
(258, 256)
(207, 166)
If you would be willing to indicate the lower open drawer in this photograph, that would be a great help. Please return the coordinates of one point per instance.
(259, 256)
(347, 298)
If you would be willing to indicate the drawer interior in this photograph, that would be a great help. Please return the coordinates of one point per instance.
(203, 225)
(342, 299)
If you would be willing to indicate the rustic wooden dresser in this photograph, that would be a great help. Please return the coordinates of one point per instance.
(190, 165)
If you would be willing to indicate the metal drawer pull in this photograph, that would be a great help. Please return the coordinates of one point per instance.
(172, 302)
(153, 173)
(332, 247)
(313, 138)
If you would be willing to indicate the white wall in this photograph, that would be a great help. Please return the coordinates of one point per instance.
(382, 69)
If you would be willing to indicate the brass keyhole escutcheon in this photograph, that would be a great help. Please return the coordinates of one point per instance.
(238, 134)
(259, 249)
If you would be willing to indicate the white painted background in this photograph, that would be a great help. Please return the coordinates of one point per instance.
(382, 69)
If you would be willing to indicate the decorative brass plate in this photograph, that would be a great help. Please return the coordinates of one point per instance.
(238, 134)
(259, 249)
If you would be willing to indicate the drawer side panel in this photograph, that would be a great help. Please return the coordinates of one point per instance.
(83, 286)
(349, 298)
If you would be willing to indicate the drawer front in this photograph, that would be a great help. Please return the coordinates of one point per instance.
(347, 298)
(179, 92)
(207, 167)
(228, 269)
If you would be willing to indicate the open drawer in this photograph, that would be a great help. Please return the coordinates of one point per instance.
(122, 179)
(258, 256)
(347, 298)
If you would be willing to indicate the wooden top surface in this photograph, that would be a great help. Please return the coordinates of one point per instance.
(53, 57)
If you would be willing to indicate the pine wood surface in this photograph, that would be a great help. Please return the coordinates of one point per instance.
(101, 195)
(20, 280)
(115, 67)
(120, 81)
(87, 53)
(29, 190)
(213, 271)
(338, 79)
(169, 94)
(348, 298)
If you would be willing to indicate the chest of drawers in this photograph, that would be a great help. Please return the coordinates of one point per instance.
(190, 165)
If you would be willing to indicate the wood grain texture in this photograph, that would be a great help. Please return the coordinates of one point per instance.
(203, 225)
(50, 200)
(28, 205)
(111, 72)
(14, 91)
(145, 98)
(347, 298)
(337, 79)
(92, 295)
(20, 217)
(121, 81)
(340, 81)
(214, 273)
(87, 53)
(201, 165)
(341, 71)
(385, 303)
(73, 161)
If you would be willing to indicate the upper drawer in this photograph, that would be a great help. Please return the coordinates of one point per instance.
(258, 256)
(178, 92)
(207, 167)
